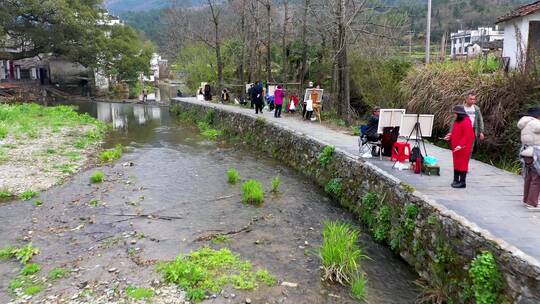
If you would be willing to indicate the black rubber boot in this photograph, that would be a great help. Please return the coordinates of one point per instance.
(456, 178)
(462, 180)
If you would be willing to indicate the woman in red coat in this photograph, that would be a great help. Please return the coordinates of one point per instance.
(461, 140)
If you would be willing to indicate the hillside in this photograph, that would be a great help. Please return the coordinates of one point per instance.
(120, 6)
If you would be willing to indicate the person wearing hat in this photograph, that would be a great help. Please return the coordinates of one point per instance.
(373, 125)
(461, 140)
(529, 125)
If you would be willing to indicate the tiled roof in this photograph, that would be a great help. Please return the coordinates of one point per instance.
(521, 11)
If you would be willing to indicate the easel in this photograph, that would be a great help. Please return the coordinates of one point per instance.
(418, 138)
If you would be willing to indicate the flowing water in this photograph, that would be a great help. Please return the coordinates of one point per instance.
(171, 172)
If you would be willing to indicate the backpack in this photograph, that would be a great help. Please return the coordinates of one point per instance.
(416, 153)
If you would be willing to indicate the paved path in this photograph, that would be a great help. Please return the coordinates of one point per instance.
(492, 200)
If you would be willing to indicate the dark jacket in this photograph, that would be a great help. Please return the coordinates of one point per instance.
(372, 126)
(257, 93)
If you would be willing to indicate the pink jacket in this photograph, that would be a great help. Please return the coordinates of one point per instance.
(278, 96)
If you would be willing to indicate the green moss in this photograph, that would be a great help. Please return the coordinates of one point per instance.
(97, 177)
(368, 206)
(93, 202)
(265, 277)
(139, 293)
(487, 281)
(5, 194)
(252, 192)
(22, 254)
(404, 231)
(208, 270)
(33, 289)
(220, 238)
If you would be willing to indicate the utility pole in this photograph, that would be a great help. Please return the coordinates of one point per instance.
(428, 32)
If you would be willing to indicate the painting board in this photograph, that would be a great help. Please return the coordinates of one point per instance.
(248, 85)
(408, 122)
(318, 93)
(389, 118)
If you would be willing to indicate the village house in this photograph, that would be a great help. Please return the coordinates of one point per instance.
(472, 43)
(521, 36)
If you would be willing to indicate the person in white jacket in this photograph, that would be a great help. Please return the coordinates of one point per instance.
(530, 138)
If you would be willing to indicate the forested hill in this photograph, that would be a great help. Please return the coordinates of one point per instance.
(120, 6)
(448, 15)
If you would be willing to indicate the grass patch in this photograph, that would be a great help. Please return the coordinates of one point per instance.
(265, 277)
(111, 155)
(207, 131)
(57, 273)
(93, 202)
(358, 288)
(97, 177)
(28, 120)
(33, 289)
(27, 195)
(340, 253)
(207, 270)
(233, 176)
(5, 194)
(276, 182)
(30, 269)
(139, 293)
(22, 254)
(326, 155)
(252, 192)
(66, 168)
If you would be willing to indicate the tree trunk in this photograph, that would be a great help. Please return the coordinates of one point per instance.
(284, 68)
(343, 65)
(304, 45)
(218, 58)
(269, 42)
(243, 54)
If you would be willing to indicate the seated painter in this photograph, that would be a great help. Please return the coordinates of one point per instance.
(372, 125)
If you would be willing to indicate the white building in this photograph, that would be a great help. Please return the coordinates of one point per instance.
(463, 42)
(521, 35)
(155, 63)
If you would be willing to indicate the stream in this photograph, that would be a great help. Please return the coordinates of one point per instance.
(169, 171)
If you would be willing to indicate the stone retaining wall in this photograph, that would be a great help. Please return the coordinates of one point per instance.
(436, 242)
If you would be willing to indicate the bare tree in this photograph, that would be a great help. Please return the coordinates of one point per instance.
(284, 67)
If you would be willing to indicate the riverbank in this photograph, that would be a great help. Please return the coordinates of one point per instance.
(41, 146)
(445, 237)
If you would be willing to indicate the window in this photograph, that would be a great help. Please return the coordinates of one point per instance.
(460, 50)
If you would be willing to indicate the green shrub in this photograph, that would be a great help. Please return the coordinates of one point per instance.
(333, 187)
(208, 270)
(111, 155)
(207, 131)
(27, 195)
(326, 155)
(139, 293)
(233, 176)
(404, 231)
(340, 253)
(381, 229)
(252, 192)
(97, 177)
(30, 269)
(369, 204)
(487, 281)
(276, 182)
(5, 194)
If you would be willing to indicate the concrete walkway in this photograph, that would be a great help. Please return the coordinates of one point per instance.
(492, 200)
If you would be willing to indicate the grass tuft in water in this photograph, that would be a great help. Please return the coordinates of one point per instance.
(22, 254)
(252, 192)
(220, 238)
(208, 270)
(358, 288)
(30, 269)
(27, 195)
(57, 273)
(233, 176)
(4, 194)
(139, 293)
(97, 177)
(340, 253)
(276, 182)
(111, 155)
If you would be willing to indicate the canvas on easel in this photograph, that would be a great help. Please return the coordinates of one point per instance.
(389, 118)
(409, 121)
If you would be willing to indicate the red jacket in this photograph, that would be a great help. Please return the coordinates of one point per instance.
(462, 135)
